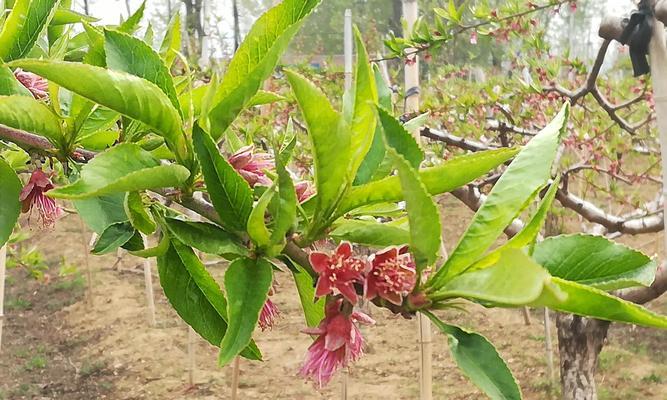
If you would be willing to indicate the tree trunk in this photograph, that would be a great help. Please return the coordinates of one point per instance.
(396, 20)
(580, 341)
(237, 27)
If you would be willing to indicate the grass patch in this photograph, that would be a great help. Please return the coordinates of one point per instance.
(18, 304)
(652, 378)
(90, 368)
(35, 363)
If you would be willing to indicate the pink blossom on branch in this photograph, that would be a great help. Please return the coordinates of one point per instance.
(304, 191)
(251, 165)
(339, 343)
(392, 275)
(37, 85)
(338, 271)
(268, 315)
(33, 196)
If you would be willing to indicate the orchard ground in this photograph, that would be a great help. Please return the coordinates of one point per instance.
(55, 346)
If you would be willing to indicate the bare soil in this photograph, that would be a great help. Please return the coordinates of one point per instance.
(58, 346)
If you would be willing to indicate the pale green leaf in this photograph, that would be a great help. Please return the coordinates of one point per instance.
(123, 168)
(530, 170)
(27, 114)
(23, 26)
(370, 233)
(256, 58)
(442, 178)
(127, 94)
(595, 261)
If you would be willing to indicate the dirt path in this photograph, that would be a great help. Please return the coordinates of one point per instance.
(58, 347)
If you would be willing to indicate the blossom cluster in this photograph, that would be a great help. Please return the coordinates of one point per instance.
(389, 274)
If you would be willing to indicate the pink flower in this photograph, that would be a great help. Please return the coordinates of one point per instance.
(392, 275)
(269, 315)
(32, 195)
(304, 191)
(251, 165)
(338, 271)
(37, 85)
(339, 342)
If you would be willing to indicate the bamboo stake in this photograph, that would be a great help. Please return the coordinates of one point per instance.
(191, 356)
(525, 311)
(148, 283)
(348, 47)
(3, 264)
(86, 261)
(658, 55)
(343, 384)
(410, 13)
(235, 378)
(548, 344)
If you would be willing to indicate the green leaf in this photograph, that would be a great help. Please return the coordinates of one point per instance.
(9, 85)
(129, 54)
(439, 179)
(132, 23)
(30, 115)
(479, 360)
(195, 295)
(127, 94)
(65, 16)
(256, 58)
(10, 206)
(365, 98)
(230, 193)
(206, 237)
(283, 209)
(528, 234)
(150, 252)
(425, 228)
(263, 97)
(590, 302)
(100, 212)
(257, 229)
(139, 217)
(376, 154)
(514, 280)
(331, 145)
(123, 168)
(135, 244)
(23, 26)
(113, 237)
(595, 261)
(171, 43)
(313, 308)
(247, 283)
(400, 139)
(530, 170)
(371, 233)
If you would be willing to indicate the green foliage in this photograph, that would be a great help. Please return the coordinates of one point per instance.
(371, 233)
(9, 85)
(23, 26)
(479, 361)
(255, 59)
(10, 207)
(206, 237)
(247, 283)
(195, 295)
(595, 261)
(30, 115)
(331, 142)
(229, 192)
(529, 171)
(124, 93)
(136, 211)
(123, 168)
